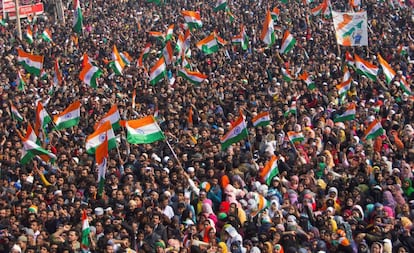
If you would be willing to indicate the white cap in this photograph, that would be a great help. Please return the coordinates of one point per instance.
(190, 169)
(99, 211)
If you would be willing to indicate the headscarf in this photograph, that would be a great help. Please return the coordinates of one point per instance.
(223, 246)
(408, 190)
(389, 200)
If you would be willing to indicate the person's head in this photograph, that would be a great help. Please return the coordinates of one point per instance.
(73, 236)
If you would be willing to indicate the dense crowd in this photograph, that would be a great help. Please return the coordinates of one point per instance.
(335, 191)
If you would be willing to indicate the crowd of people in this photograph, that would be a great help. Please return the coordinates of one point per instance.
(335, 190)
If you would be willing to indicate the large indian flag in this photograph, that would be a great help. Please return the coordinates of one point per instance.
(69, 117)
(15, 113)
(157, 71)
(220, 5)
(170, 32)
(348, 115)
(144, 54)
(144, 130)
(47, 35)
(268, 30)
(286, 75)
(98, 137)
(42, 117)
(261, 119)
(288, 42)
(192, 76)
(31, 63)
(85, 232)
(90, 74)
(208, 45)
(374, 130)
(366, 68)
(192, 19)
(237, 133)
(389, 73)
(118, 63)
(275, 13)
(77, 17)
(168, 53)
(270, 170)
(112, 116)
(295, 136)
(31, 149)
(308, 80)
(101, 157)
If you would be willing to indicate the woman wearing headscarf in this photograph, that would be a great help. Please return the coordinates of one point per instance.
(408, 189)
(222, 247)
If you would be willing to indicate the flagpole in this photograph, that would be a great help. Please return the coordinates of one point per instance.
(174, 154)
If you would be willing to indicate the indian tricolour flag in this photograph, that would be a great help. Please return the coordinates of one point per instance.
(286, 75)
(374, 130)
(57, 75)
(343, 88)
(295, 136)
(389, 73)
(275, 14)
(347, 74)
(118, 63)
(348, 115)
(47, 35)
(84, 245)
(208, 45)
(168, 53)
(261, 119)
(192, 76)
(405, 86)
(220, 40)
(126, 58)
(158, 35)
(237, 133)
(366, 68)
(270, 170)
(170, 32)
(144, 130)
(112, 116)
(31, 63)
(90, 74)
(220, 5)
(31, 149)
(77, 17)
(349, 60)
(42, 117)
(308, 80)
(288, 42)
(268, 30)
(157, 71)
(144, 54)
(241, 38)
(29, 35)
(192, 19)
(15, 113)
(292, 109)
(101, 157)
(69, 117)
(98, 137)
